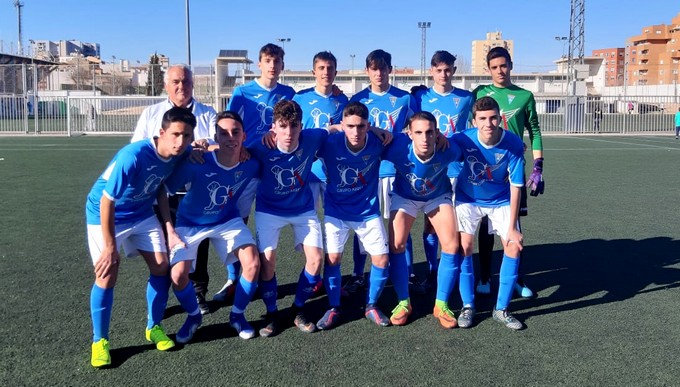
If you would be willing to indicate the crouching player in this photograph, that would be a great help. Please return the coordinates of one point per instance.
(490, 185)
(421, 184)
(209, 211)
(352, 163)
(119, 211)
(284, 198)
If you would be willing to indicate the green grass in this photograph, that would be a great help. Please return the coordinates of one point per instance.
(601, 250)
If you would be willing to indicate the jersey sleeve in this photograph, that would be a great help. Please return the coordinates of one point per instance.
(516, 165)
(236, 102)
(118, 175)
(532, 125)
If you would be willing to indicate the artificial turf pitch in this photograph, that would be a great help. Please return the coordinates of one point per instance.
(602, 252)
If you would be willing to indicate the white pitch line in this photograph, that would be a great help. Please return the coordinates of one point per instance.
(624, 143)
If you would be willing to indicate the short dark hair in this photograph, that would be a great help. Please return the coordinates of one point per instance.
(484, 104)
(327, 56)
(379, 59)
(498, 52)
(178, 114)
(355, 108)
(422, 116)
(228, 114)
(287, 111)
(442, 56)
(271, 49)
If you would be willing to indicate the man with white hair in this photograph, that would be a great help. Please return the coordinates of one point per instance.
(179, 86)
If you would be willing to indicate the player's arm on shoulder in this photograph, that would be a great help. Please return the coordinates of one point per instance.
(109, 256)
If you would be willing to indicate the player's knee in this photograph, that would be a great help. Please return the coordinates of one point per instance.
(333, 259)
(511, 250)
(380, 261)
(159, 268)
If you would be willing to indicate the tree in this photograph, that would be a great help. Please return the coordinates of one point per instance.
(154, 80)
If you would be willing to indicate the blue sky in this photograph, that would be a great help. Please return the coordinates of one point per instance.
(135, 29)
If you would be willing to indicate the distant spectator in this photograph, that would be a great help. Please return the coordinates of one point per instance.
(597, 118)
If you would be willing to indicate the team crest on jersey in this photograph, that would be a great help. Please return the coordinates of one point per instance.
(511, 97)
(393, 100)
(499, 157)
(456, 101)
(237, 175)
(436, 166)
(366, 158)
(298, 153)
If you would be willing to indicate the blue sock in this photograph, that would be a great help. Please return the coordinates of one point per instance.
(467, 282)
(305, 287)
(399, 275)
(233, 270)
(376, 283)
(409, 254)
(449, 267)
(187, 298)
(245, 290)
(359, 259)
(101, 303)
(506, 281)
(431, 246)
(269, 294)
(157, 298)
(332, 279)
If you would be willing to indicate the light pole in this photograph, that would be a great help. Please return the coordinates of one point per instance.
(423, 26)
(77, 68)
(352, 56)
(186, 3)
(113, 74)
(563, 39)
(283, 42)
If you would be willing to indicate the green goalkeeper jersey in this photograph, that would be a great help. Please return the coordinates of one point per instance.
(518, 110)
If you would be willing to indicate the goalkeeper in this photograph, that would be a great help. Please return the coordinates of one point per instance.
(518, 111)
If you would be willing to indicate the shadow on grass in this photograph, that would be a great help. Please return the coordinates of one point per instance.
(589, 272)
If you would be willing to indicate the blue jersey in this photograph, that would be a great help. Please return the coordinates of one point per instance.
(352, 187)
(418, 179)
(284, 186)
(132, 180)
(319, 111)
(213, 190)
(255, 105)
(488, 171)
(390, 111)
(452, 110)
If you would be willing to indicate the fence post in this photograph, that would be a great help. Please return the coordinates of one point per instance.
(24, 95)
(68, 114)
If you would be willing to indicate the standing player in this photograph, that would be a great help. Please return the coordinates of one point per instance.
(518, 112)
(490, 185)
(255, 102)
(179, 85)
(284, 198)
(119, 211)
(210, 211)
(388, 108)
(321, 108)
(451, 107)
(421, 184)
(352, 161)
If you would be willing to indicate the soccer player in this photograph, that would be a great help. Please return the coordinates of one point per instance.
(284, 198)
(352, 162)
(388, 108)
(179, 86)
(490, 185)
(421, 184)
(254, 102)
(518, 112)
(210, 211)
(119, 212)
(451, 107)
(321, 108)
